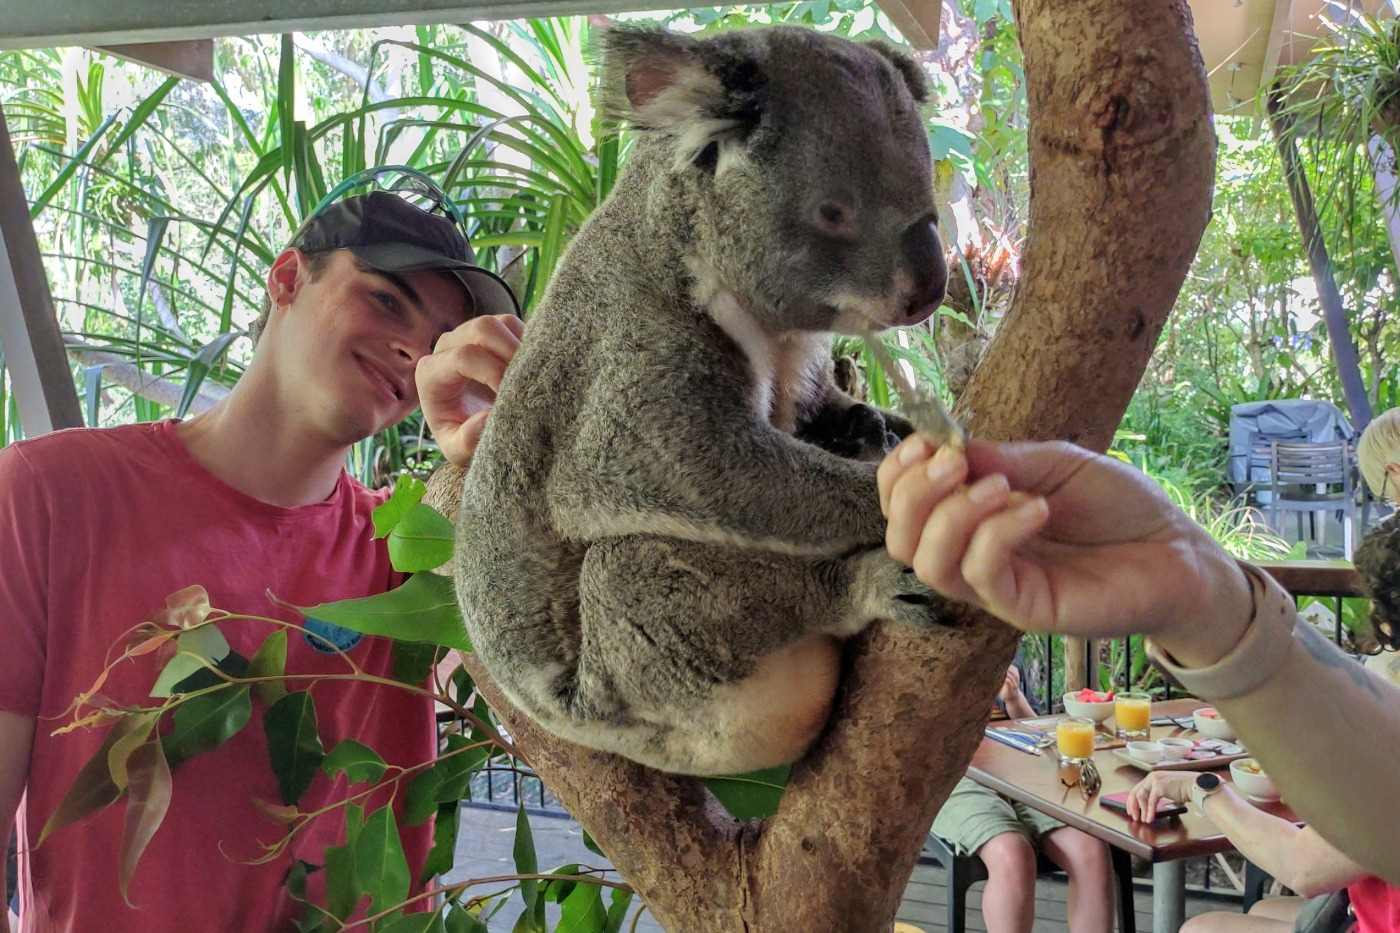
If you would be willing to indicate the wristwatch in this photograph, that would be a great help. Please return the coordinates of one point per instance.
(1207, 785)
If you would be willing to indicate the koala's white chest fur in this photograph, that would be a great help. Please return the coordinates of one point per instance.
(786, 369)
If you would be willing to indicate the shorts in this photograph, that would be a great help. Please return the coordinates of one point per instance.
(972, 815)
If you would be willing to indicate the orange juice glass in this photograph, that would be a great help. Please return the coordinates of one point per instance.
(1133, 712)
(1074, 739)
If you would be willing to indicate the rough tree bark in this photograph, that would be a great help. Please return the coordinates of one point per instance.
(1122, 154)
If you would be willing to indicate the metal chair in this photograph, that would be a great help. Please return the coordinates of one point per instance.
(1315, 479)
(963, 871)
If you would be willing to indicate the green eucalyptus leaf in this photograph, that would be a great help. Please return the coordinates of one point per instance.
(360, 763)
(423, 609)
(387, 515)
(526, 862)
(443, 853)
(617, 910)
(380, 863)
(456, 772)
(755, 795)
(420, 802)
(556, 891)
(295, 880)
(583, 910)
(343, 891)
(293, 744)
(461, 920)
(422, 922)
(591, 845)
(414, 661)
(195, 649)
(270, 660)
(206, 721)
(232, 665)
(422, 540)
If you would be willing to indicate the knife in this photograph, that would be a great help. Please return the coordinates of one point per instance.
(924, 409)
(1008, 739)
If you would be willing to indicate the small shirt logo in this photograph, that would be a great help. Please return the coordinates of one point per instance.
(327, 638)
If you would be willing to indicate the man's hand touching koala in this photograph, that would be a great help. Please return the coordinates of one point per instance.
(458, 381)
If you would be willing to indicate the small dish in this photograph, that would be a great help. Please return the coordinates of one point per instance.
(1211, 724)
(1081, 709)
(1253, 782)
(1149, 753)
(1176, 749)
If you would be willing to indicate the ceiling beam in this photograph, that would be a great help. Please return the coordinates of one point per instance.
(917, 20)
(193, 58)
(51, 23)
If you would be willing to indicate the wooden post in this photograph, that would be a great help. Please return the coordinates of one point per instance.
(1077, 667)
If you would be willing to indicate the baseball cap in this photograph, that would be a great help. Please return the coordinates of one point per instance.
(389, 234)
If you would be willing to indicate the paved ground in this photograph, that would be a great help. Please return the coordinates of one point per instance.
(486, 839)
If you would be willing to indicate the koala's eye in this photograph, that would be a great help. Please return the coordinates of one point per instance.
(835, 219)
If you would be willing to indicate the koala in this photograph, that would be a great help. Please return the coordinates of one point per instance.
(656, 556)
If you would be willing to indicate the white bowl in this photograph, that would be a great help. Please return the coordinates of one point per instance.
(1098, 712)
(1176, 749)
(1149, 753)
(1256, 785)
(1212, 728)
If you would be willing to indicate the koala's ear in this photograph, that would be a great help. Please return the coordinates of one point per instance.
(702, 93)
(905, 65)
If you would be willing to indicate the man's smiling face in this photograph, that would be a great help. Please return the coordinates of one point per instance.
(351, 337)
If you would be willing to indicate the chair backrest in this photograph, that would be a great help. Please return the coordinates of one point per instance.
(1306, 464)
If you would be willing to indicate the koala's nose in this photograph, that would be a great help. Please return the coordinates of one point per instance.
(923, 252)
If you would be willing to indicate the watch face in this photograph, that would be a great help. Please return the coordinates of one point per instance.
(1207, 782)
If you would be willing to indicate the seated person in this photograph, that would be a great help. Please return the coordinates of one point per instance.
(1298, 857)
(1378, 455)
(1006, 836)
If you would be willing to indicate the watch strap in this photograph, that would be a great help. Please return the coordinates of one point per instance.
(1199, 795)
(1267, 641)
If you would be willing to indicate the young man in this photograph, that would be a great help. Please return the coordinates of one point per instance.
(98, 527)
(1007, 835)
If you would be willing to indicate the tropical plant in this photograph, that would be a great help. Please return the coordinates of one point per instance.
(1345, 92)
(156, 253)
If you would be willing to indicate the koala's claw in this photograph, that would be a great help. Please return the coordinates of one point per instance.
(886, 589)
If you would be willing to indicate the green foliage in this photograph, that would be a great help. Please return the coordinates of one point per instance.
(755, 795)
(293, 744)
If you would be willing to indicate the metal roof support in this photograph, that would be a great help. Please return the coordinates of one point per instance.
(29, 335)
(1320, 262)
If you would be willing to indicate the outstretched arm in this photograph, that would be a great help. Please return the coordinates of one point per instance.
(1053, 538)
(1297, 856)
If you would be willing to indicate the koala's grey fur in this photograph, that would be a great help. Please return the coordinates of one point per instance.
(649, 560)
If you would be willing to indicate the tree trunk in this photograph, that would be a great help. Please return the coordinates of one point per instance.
(1122, 160)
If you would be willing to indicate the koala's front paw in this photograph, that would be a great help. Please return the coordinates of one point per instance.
(858, 432)
(884, 588)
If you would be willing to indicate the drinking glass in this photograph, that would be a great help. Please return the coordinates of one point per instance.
(1074, 739)
(1133, 713)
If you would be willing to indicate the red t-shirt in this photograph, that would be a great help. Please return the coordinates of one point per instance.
(97, 527)
(1376, 905)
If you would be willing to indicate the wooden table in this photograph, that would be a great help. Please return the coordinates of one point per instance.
(1035, 781)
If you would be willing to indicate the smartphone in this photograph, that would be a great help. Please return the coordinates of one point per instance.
(1119, 802)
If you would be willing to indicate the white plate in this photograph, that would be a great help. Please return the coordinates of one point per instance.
(1181, 764)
